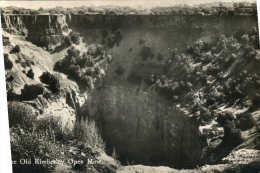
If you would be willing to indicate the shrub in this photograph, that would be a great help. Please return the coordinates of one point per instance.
(16, 49)
(87, 81)
(30, 92)
(114, 155)
(245, 121)
(21, 114)
(51, 80)
(53, 125)
(38, 140)
(9, 77)
(75, 38)
(245, 39)
(11, 96)
(67, 41)
(84, 68)
(231, 131)
(33, 144)
(30, 74)
(109, 58)
(87, 133)
(94, 49)
(73, 52)
(8, 63)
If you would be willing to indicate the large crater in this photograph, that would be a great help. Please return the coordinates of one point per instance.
(144, 129)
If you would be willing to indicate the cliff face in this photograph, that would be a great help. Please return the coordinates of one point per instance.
(144, 129)
(159, 21)
(160, 33)
(42, 30)
(47, 30)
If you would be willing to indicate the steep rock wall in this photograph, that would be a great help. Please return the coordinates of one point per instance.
(42, 30)
(161, 33)
(144, 129)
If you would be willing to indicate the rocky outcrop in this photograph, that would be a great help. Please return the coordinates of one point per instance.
(42, 30)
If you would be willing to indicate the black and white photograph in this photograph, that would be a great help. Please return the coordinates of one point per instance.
(137, 86)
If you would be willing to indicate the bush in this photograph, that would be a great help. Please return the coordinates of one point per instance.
(87, 133)
(73, 52)
(75, 38)
(38, 140)
(30, 74)
(42, 138)
(231, 131)
(72, 38)
(94, 49)
(53, 126)
(33, 144)
(87, 81)
(11, 96)
(245, 121)
(84, 68)
(21, 114)
(245, 39)
(109, 58)
(67, 41)
(16, 49)
(51, 80)
(9, 78)
(8, 63)
(30, 92)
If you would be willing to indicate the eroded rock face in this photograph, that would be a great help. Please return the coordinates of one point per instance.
(144, 129)
(42, 30)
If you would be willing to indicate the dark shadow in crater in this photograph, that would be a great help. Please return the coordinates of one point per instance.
(144, 129)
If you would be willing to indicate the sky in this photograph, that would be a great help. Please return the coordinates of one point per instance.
(132, 3)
